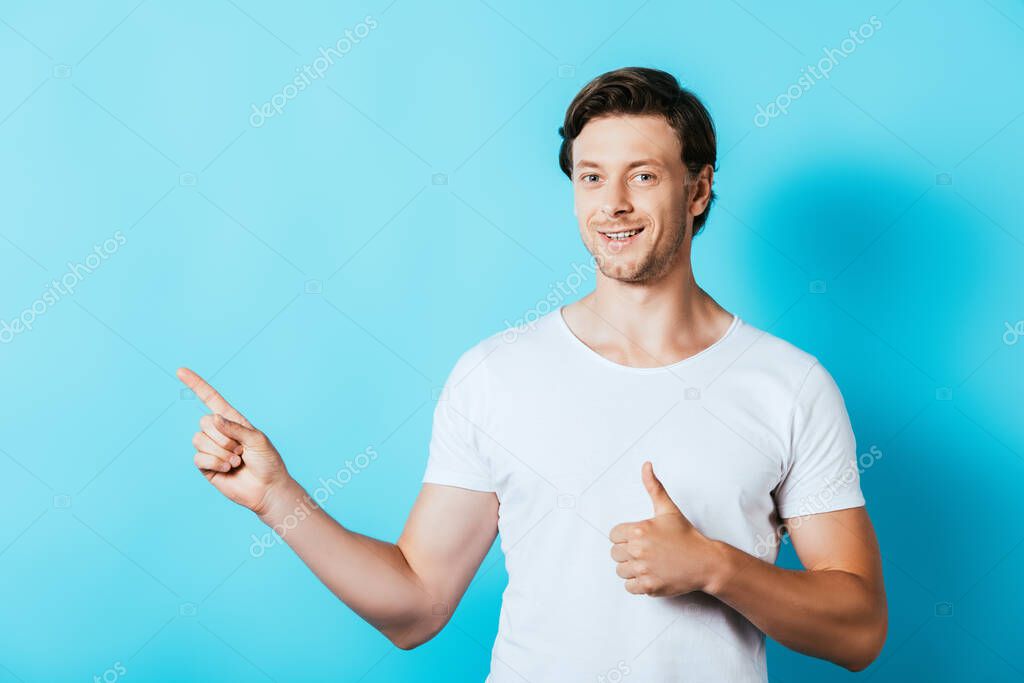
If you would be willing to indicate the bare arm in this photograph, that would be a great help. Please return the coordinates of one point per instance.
(408, 590)
(834, 609)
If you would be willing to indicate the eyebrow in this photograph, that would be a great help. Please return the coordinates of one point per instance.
(584, 163)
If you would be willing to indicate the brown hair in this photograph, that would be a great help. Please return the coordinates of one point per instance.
(640, 91)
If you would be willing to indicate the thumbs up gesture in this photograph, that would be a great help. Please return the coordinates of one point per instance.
(664, 555)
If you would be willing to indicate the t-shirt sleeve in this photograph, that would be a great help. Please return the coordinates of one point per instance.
(456, 457)
(822, 473)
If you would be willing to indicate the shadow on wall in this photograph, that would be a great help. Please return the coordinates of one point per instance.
(910, 322)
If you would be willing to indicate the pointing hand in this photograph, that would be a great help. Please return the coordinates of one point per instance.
(234, 456)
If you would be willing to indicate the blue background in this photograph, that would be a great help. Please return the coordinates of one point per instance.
(325, 276)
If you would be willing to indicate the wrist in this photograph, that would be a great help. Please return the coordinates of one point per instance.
(280, 500)
(721, 567)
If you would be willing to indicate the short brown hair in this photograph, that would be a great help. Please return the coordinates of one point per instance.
(638, 90)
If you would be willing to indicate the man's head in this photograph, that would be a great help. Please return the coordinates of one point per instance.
(640, 152)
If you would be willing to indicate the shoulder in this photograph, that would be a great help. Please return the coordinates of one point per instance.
(510, 350)
(771, 356)
(774, 374)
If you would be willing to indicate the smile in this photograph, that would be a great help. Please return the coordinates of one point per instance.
(623, 235)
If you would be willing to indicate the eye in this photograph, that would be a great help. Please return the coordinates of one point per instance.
(645, 178)
(586, 177)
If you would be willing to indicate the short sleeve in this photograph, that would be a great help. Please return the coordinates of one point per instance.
(822, 473)
(456, 457)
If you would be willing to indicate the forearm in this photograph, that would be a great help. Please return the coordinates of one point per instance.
(371, 576)
(831, 614)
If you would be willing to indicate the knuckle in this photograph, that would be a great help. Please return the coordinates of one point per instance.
(224, 441)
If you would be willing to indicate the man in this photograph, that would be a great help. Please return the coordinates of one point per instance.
(644, 415)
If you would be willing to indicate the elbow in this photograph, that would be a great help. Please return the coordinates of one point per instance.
(408, 637)
(857, 665)
(411, 635)
(411, 640)
(869, 646)
(406, 643)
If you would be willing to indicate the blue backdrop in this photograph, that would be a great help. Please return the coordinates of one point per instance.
(319, 206)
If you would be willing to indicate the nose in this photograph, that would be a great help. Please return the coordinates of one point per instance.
(616, 201)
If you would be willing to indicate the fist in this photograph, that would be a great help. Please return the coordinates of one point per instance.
(665, 555)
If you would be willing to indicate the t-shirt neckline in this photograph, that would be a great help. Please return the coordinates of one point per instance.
(576, 341)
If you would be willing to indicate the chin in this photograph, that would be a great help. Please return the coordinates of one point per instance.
(623, 272)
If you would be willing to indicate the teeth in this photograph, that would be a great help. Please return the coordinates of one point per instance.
(622, 235)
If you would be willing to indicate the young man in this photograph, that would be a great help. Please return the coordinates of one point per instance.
(640, 451)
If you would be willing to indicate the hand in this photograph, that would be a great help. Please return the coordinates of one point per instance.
(665, 555)
(234, 456)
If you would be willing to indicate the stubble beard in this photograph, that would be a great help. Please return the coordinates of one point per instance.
(652, 266)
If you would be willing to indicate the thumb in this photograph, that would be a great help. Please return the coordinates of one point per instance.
(247, 436)
(663, 504)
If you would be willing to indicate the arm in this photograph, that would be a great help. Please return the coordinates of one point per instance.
(834, 609)
(407, 590)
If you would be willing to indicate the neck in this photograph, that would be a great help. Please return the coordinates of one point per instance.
(651, 323)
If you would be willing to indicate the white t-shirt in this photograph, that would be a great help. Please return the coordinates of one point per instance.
(749, 431)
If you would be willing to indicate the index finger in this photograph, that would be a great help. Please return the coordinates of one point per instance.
(210, 396)
(620, 532)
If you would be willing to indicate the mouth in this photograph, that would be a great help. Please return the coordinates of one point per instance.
(621, 237)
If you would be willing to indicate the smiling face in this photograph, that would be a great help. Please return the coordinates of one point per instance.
(633, 195)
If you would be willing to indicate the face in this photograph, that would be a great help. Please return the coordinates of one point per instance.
(634, 200)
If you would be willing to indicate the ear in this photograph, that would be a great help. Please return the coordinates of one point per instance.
(702, 184)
